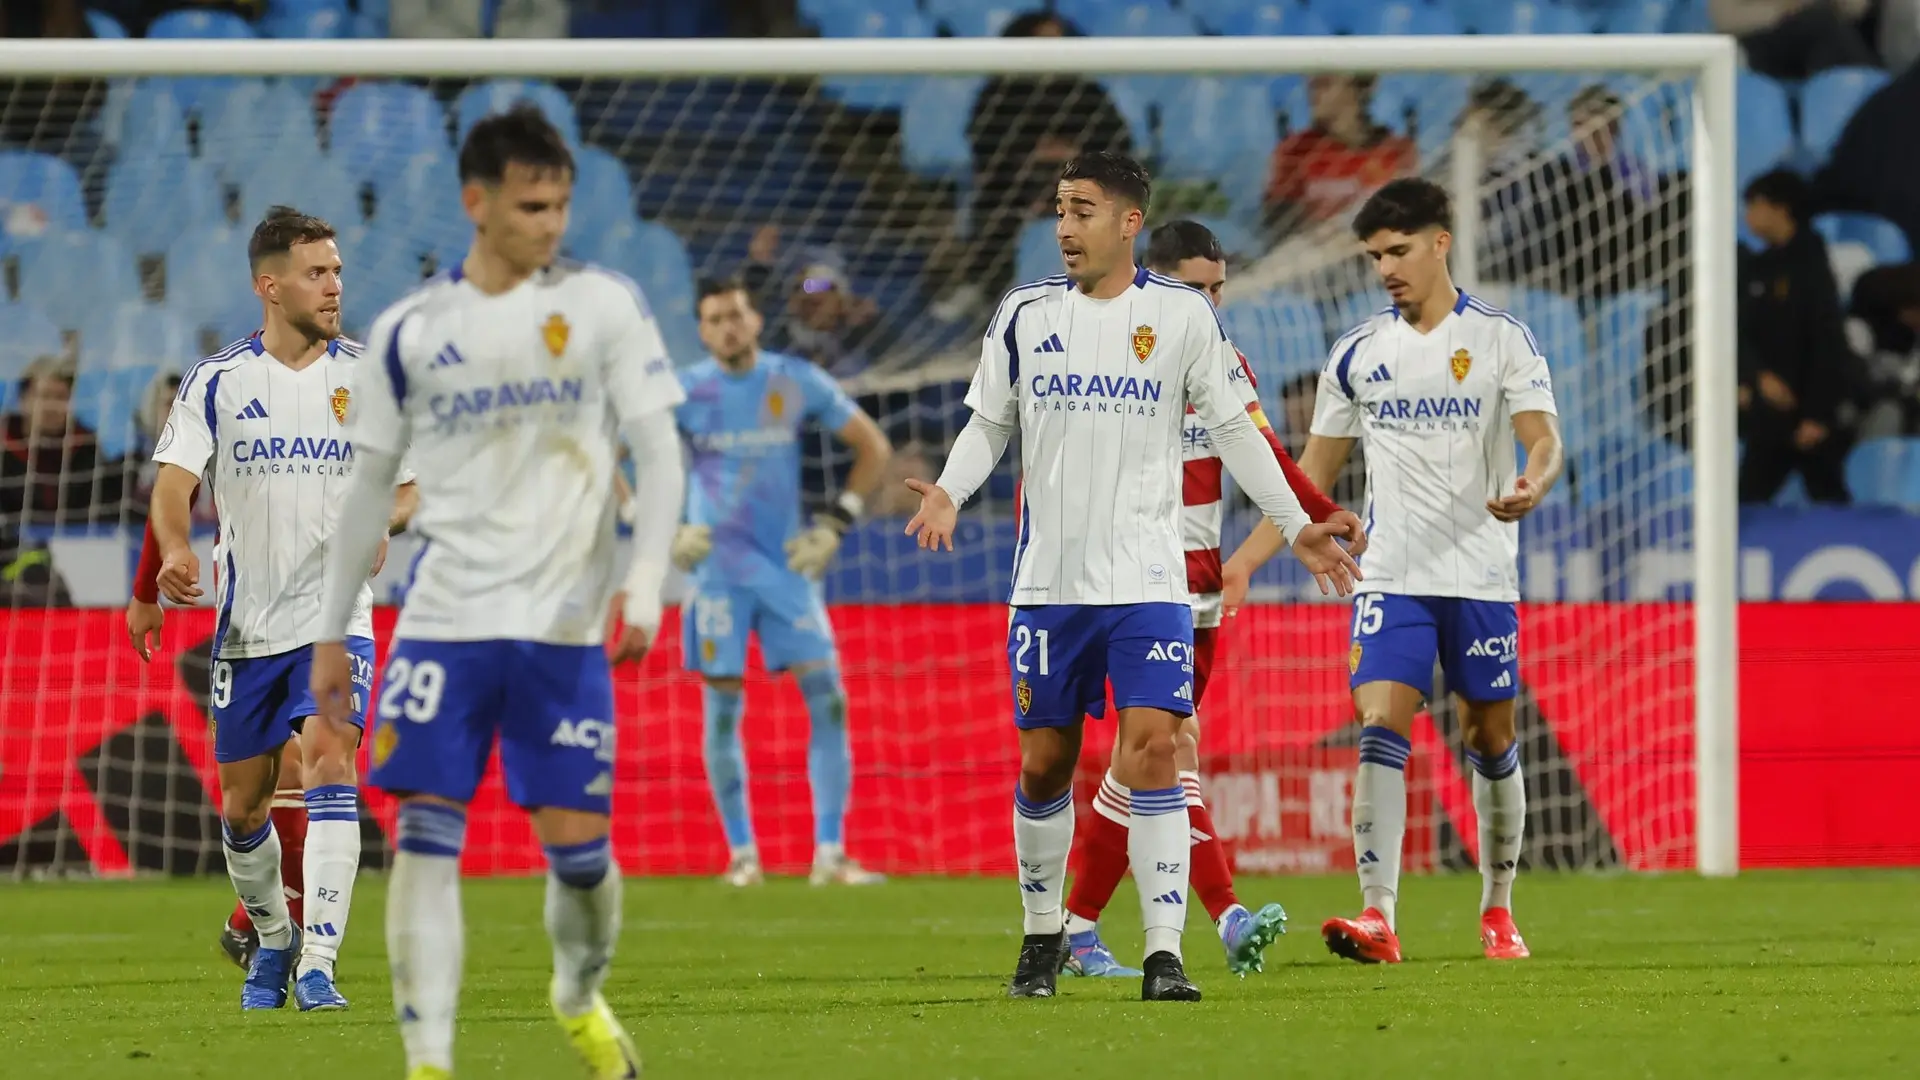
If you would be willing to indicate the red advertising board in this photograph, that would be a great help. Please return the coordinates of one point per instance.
(1830, 756)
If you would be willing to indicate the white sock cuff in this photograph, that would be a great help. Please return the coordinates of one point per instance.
(1114, 801)
(1190, 784)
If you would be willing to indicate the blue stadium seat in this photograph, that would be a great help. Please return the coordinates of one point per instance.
(1398, 18)
(1690, 17)
(26, 335)
(1555, 324)
(31, 182)
(1638, 473)
(1637, 17)
(1037, 255)
(380, 268)
(876, 21)
(1526, 17)
(71, 276)
(150, 199)
(1235, 239)
(1613, 380)
(252, 120)
(1877, 470)
(107, 400)
(1220, 121)
(1425, 106)
(1262, 19)
(146, 119)
(313, 185)
(1885, 240)
(377, 122)
(973, 18)
(417, 212)
(192, 23)
(138, 334)
(206, 272)
(315, 19)
(104, 26)
(602, 194)
(933, 127)
(1282, 336)
(1827, 101)
(498, 95)
(1133, 97)
(1343, 313)
(1765, 135)
(1126, 18)
(656, 259)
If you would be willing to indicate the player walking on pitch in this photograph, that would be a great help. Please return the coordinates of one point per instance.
(1440, 385)
(1097, 366)
(1187, 252)
(263, 421)
(756, 570)
(508, 380)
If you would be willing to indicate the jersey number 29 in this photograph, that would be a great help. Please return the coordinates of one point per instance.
(412, 690)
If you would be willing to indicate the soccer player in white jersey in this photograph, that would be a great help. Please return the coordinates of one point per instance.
(508, 380)
(264, 421)
(1097, 367)
(1440, 385)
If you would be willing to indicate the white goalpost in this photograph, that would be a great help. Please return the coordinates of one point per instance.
(865, 156)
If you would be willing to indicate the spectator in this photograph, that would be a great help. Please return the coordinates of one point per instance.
(51, 468)
(1580, 214)
(1899, 33)
(1295, 422)
(1338, 159)
(1886, 308)
(1873, 165)
(1792, 39)
(812, 308)
(27, 575)
(1022, 130)
(1794, 360)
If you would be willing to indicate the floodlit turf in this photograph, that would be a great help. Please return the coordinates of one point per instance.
(1769, 975)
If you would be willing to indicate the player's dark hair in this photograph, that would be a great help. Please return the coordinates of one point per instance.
(1177, 241)
(280, 230)
(722, 286)
(1407, 205)
(520, 136)
(1785, 189)
(1116, 174)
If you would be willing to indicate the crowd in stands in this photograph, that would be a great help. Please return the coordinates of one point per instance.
(877, 219)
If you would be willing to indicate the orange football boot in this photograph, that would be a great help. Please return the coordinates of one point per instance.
(1367, 939)
(1500, 937)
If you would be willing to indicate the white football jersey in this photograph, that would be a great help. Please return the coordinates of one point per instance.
(273, 445)
(1099, 390)
(1436, 413)
(508, 408)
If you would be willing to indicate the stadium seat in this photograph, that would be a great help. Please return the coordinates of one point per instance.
(1038, 253)
(1827, 101)
(150, 198)
(206, 269)
(876, 21)
(1424, 106)
(1133, 97)
(380, 268)
(104, 26)
(602, 193)
(311, 184)
(498, 95)
(1221, 120)
(1235, 239)
(1268, 19)
(137, 334)
(1885, 240)
(1126, 18)
(316, 19)
(1638, 473)
(26, 335)
(373, 123)
(1555, 323)
(1282, 336)
(251, 120)
(108, 399)
(1398, 18)
(71, 276)
(1637, 17)
(656, 259)
(933, 127)
(972, 18)
(1765, 126)
(39, 193)
(146, 119)
(417, 213)
(1883, 472)
(1525, 17)
(195, 23)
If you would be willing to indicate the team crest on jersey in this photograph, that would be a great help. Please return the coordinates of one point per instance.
(340, 399)
(385, 738)
(1143, 339)
(555, 333)
(1353, 659)
(1462, 363)
(707, 650)
(1023, 696)
(776, 405)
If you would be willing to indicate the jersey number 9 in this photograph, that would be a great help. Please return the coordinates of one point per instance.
(412, 690)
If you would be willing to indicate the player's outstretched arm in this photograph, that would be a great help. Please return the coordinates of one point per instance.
(1539, 432)
(659, 489)
(976, 450)
(1325, 456)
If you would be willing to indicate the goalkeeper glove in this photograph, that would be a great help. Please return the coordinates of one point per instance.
(691, 545)
(809, 552)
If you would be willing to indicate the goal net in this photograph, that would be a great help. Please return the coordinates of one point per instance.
(877, 217)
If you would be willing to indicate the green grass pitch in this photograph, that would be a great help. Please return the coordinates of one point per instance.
(1814, 974)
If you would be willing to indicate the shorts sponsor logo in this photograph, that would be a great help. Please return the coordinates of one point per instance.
(594, 735)
(1175, 652)
(1504, 647)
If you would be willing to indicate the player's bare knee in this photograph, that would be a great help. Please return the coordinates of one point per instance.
(244, 809)
(1487, 728)
(1047, 761)
(557, 827)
